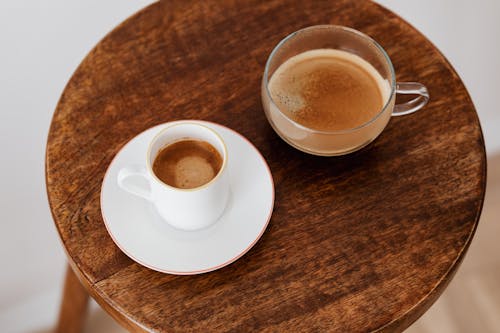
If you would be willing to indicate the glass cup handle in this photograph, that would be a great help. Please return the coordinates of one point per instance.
(411, 88)
(125, 181)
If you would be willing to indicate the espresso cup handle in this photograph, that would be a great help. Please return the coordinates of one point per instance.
(411, 88)
(125, 181)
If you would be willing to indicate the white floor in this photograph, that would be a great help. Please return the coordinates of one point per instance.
(42, 44)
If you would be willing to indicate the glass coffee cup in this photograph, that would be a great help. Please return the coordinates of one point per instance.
(344, 41)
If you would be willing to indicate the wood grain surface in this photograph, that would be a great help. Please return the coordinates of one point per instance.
(364, 242)
(74, 305)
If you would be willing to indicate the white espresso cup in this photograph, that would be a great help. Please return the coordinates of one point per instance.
(186, 209)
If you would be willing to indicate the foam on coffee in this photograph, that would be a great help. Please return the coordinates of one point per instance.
(187, 163)
(328, 89)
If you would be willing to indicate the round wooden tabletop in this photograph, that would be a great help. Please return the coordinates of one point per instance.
(364, 242)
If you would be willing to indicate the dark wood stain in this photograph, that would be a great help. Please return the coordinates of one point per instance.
(364, 242)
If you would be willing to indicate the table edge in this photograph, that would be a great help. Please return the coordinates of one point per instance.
(402, 322)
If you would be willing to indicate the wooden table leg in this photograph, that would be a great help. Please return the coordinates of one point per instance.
(73, 306)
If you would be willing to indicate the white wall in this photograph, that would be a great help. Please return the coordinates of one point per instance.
(41, 44)
(468, 34)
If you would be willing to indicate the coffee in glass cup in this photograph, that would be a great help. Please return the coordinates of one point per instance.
(330, 90)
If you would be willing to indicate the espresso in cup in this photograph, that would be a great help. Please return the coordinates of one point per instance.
(328, 89)
(184, 176)
(187, 164)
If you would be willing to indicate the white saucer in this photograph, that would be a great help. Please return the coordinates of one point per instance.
(138, 230)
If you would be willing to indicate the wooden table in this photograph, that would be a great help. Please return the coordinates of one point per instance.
(364, 242)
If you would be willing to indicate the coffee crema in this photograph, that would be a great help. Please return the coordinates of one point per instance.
(187, 164)
(328, 90)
